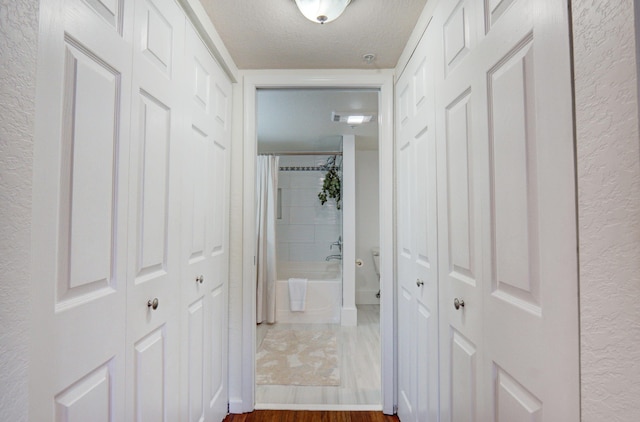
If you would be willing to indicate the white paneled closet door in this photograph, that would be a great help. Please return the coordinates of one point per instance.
(80, 213)
(153, 329)
(205, 216)
(130, 207)
(417, 240)
(460, 214)
(507, 239)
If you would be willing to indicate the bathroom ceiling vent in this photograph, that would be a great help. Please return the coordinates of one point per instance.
(352, 118)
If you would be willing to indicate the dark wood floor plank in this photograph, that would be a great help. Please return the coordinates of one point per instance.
(310, 416)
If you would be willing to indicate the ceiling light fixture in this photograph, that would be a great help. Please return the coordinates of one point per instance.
(351, 118)
(355, 120)
(321, 11)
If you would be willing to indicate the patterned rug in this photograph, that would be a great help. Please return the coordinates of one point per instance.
(296, 357)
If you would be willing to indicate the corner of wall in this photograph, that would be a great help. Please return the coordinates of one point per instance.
(236, 251)
(608, 173)
(18, 44)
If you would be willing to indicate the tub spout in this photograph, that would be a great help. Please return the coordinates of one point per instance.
(336, 256)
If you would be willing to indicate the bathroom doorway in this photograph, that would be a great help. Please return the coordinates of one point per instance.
(313, 349)
(313, 79)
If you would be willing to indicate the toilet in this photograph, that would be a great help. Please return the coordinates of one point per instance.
(375, 252)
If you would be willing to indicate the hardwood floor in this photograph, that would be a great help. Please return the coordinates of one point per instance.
(359, 363)
(310, 416)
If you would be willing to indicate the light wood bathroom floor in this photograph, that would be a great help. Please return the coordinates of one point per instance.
(359, 367)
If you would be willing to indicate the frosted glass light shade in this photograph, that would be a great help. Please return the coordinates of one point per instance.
(321, 11)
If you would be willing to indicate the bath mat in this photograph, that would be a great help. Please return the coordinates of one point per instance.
(297, 357)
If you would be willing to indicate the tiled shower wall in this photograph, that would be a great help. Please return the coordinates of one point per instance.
(306, 229)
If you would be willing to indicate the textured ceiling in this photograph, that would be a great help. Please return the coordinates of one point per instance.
(273, 34)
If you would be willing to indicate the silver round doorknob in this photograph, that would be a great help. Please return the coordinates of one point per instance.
(458, 303)
(200, 279)
(153, 304)
(419, 282)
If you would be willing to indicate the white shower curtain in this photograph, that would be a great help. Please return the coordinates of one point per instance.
(266, 191)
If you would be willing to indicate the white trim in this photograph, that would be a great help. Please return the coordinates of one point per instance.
(249, 249)
(236, 406)
(203, 25)
(415, 37)
(323, 407)
(379, 79)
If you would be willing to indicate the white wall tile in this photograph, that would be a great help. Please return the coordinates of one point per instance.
(327, 214)
(285, 216)
(286, 197)
(295, 233)
(324, 249)
(308, 180)
(302, 215)
(303, 197)
(288, 160)
(303, 252)
(282, 251)
(327, 232)
(284, 179)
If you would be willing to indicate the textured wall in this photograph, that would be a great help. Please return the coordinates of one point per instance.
(609, 208)
(18, 52)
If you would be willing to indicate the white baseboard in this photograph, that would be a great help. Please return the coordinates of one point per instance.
(235, 406)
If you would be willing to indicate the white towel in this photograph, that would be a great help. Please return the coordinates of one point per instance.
(297, 294)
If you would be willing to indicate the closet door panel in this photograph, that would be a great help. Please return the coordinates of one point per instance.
(507, 212)
(153, 330)
(110, 171)
(218, 226)
(81, 162)
(530, 239)
(194, 371)
(459, 213)
(205, 217)
(417, 238)
(217, 373)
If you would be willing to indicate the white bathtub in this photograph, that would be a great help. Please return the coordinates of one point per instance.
(324, 292)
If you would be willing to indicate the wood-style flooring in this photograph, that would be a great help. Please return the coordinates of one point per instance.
(359, 351)
(310, 416)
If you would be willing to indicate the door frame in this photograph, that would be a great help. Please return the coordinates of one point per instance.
(377, 79)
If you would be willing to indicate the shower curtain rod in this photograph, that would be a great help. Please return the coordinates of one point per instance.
(302, 153)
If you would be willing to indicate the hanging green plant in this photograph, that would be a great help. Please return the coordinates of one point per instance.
(331, 188)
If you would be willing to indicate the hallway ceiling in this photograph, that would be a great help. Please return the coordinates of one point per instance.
(273, 34)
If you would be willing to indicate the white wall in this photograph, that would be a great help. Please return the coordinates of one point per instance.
(367, 225)
(236, 254)
(608, 168)
(18, 52)
(307, 228)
